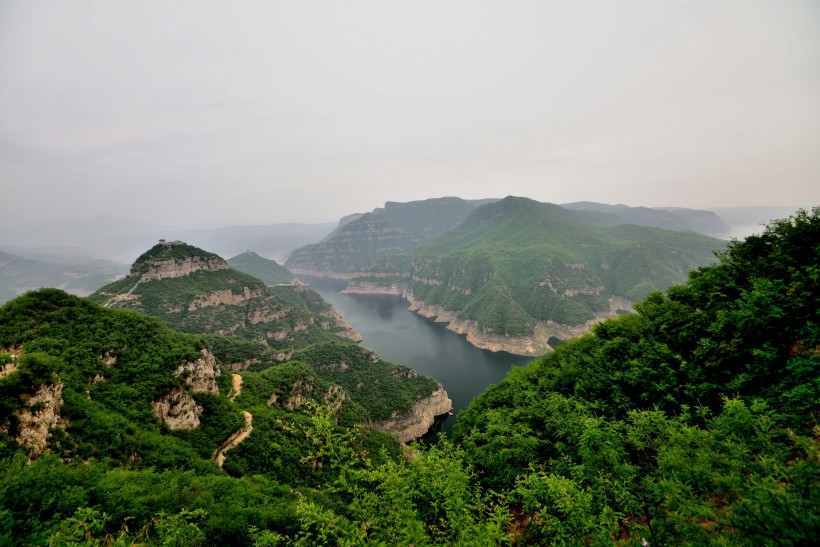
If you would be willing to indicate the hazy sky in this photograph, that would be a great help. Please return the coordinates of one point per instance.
(213, 112)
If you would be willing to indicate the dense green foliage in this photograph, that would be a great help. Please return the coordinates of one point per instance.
(517, 261)
(381, 387)
(692, 422)
(269, 271)
(223, 302)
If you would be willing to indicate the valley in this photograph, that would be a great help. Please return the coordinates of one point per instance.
(280, 410)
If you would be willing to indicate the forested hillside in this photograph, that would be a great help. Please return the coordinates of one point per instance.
(396, 228)
(195, 291)
(692, 422)
(518, 272)
(269, 271)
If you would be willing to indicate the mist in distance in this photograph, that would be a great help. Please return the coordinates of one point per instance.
(206, 114)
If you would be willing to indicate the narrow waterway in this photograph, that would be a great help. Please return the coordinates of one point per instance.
(404, 337)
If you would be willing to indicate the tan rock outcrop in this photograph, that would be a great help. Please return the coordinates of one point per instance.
(170, 268)
(530, 346)
(225, 297)
(417, 422)
(178, 410)
(201, 374)
(41, 413)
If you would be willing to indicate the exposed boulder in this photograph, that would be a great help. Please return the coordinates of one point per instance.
(178, 410)
(201, 374)
(41, 413)
(417, 422)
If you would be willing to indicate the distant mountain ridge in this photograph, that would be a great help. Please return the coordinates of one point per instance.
(76, 275)
(269, 271)
(395, 228)
(518, 273)
(671, 218)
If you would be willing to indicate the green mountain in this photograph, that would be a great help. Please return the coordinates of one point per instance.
(192, 290)
(670, 218)
(396, 228)
(249, 326)
(269, 271)
(517, 272)
(76, 275)
(691, 422)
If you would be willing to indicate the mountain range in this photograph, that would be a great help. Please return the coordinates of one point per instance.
(521, 276)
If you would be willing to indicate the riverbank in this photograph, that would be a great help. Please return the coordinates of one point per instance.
(539, 343)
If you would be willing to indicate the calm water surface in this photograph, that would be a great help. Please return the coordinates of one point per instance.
(421, 344)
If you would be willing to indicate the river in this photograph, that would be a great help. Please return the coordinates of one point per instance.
(428, 347)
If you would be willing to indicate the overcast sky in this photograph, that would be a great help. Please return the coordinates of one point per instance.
(209, 112)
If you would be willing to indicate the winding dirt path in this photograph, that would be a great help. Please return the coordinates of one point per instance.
(238, 436)
(236, 387)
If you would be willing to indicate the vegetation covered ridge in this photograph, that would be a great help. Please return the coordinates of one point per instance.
(395, 228)
(269, 271)
(694, 421)
(691, 422)
(517, 272)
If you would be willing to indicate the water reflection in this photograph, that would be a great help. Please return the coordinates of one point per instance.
(428, 347)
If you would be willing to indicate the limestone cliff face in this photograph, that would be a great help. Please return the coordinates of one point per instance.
(303, 390)
(41, 413)
(201, 374)
(225, 297)
(178, 410)
(417, 422)
(170, 268)
(531, 346)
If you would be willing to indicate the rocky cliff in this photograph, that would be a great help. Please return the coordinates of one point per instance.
(177, 410)
(40, 413)
(538, 343)
(417, 422)
(171, 259)
(201, 374)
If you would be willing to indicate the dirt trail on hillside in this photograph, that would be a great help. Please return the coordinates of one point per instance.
(238, 436)
(236, 387)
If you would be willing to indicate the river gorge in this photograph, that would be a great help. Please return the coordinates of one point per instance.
(399, 335)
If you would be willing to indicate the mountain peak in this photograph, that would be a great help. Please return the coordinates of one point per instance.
(169, 259)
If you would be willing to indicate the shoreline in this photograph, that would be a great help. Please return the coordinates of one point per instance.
(534, 345)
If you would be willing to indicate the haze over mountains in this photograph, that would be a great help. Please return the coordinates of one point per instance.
(323, 248)
(517, 273)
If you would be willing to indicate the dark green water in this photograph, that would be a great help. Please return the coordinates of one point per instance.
(403, 337)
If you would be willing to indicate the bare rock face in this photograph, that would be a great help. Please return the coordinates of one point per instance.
(417, 422)
(201, 374)
(42, 412)
(178, 410)
(170, 268)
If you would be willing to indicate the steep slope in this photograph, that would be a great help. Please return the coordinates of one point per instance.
(517, 272)
(269, 271)
(396, 228)
(694, 420)
(196, 291)
(249, 326)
